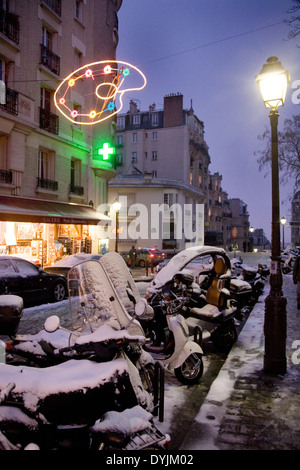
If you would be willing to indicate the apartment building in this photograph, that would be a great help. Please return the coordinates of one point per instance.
(51, 182)
(162, 162)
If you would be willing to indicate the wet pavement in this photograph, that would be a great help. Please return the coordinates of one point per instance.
(245, 408)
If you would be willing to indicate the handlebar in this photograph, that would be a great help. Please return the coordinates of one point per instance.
(171, 305)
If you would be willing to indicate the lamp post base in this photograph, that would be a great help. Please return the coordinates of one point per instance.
(275, 334)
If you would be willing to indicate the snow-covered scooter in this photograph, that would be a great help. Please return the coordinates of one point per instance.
(177, 352)
(94, 395)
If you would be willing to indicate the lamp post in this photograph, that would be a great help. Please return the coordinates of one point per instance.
(283, 222)
(273, 80)
(251, 229)
(116, 207)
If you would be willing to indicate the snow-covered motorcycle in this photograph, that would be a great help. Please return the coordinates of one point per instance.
(96, 367)
(176, 351)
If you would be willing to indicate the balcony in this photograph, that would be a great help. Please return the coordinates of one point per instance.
(50, 60)
(6, 176)
(55, 6)
(49, 121)
(11, 105)
(44, 183)
(9, 25)
(77, 190)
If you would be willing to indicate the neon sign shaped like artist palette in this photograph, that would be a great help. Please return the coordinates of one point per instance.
(98, 89)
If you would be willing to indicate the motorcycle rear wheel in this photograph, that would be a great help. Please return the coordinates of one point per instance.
(225, 337)
(190, 372)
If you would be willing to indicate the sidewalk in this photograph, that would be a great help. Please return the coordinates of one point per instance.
(245, 408)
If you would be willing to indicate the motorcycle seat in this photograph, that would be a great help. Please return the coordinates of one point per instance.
(238, 285)
(208, 311)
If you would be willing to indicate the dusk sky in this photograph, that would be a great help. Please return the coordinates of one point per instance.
(211, 51)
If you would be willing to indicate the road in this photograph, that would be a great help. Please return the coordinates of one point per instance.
(182, 402)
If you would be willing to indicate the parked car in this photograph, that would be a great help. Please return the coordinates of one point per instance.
(23, 278)
(63, 266)
(152, 255)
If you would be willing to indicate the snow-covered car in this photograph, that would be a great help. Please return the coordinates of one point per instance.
(23, 278)
(151, 255)
(64, 265)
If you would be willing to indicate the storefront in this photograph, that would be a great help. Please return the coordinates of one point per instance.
(45, 231)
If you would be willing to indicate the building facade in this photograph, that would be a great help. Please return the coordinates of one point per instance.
(162, 161)
(50, 181)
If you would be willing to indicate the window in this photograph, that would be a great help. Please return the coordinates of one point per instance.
(79, 10)
(154, 135)
(154, 119)
(3, 152)
(45, 99)
(119, 140)
(154, 155)
(134, 157)
(46, 164)
(75, 178)
(77, 59)
(168, 199)
(119, 160)
(121, 122)
(134, 137)
(2, 70)
(191, 177)
(136, 119)
(48, 120)
(47, 38)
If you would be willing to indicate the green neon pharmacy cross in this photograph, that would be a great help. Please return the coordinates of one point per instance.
(106, 151)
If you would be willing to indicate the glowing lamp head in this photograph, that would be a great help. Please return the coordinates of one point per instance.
(116, 206)
(283, 221)
(273, 80)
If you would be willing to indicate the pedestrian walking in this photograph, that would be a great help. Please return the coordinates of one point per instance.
(296, 278)
(132, 254)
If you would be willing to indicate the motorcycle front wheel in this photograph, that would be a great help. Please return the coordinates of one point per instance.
(190, 372)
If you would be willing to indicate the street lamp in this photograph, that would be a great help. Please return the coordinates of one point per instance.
(273, 80)
(283, 222)
(251, 230)
(116, 207)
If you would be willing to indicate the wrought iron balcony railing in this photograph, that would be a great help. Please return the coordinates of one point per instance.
(47, 184)
(11, 101)
(9, 25)
(78, 190)
(6, 176)
(55, 5)
(50, 60)
(49, 121)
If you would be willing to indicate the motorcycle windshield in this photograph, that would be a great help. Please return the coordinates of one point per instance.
(94, 301)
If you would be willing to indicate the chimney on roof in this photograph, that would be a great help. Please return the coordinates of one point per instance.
(173, 110)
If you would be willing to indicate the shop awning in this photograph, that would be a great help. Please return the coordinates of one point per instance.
(17, 209)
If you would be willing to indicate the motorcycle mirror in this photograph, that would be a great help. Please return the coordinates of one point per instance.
(52, 324)
(130, 295)
(140, 307)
